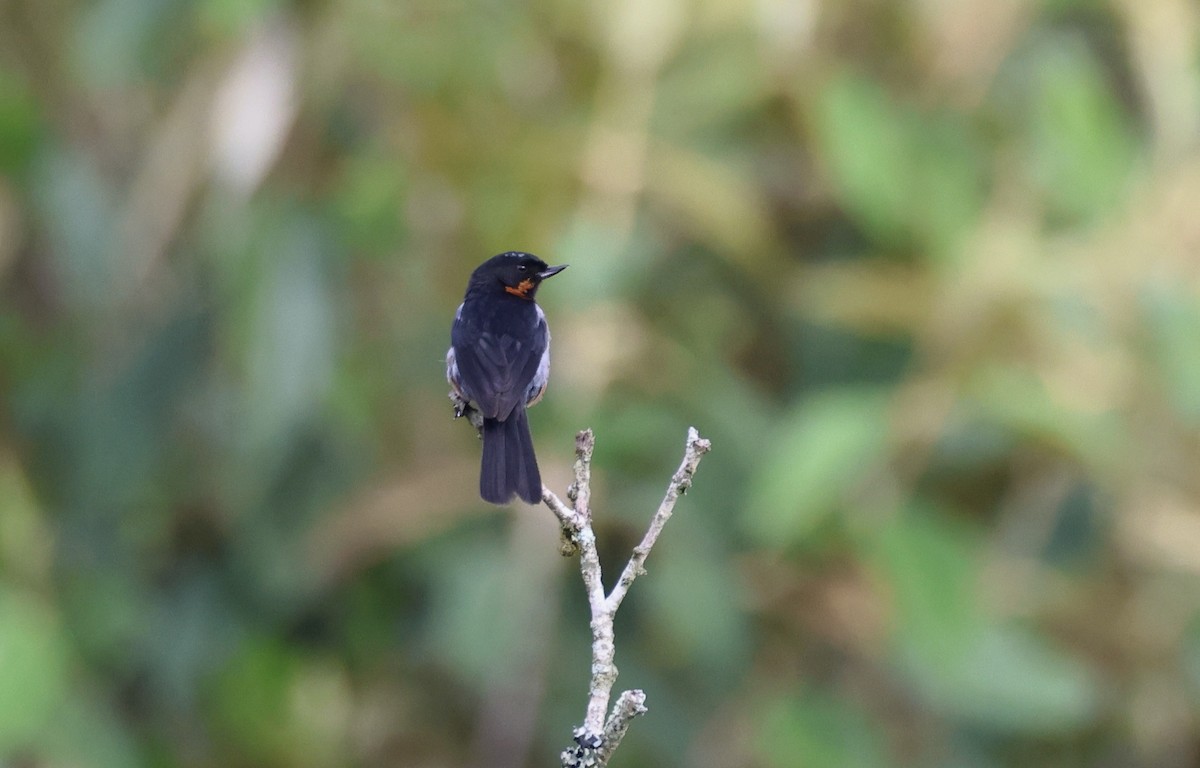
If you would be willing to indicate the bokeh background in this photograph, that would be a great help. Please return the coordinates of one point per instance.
(927, 274)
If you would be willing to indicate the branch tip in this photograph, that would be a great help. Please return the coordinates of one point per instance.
(585, 441)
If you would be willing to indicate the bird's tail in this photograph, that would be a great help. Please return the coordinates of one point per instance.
(509, 465)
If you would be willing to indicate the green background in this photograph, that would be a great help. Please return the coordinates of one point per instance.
(926, 273)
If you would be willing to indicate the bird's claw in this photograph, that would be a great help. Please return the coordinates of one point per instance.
(462, 408)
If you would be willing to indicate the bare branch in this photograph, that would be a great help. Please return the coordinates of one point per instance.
(566, 517)
(629, 705)
(580, 492)
(598, 737)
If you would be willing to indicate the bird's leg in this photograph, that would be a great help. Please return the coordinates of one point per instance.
(463, 408)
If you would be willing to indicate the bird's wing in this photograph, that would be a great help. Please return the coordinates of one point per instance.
(496, 369)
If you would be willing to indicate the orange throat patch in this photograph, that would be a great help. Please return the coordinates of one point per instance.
(521, 289)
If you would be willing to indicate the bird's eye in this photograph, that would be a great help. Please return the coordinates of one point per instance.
(521, 267)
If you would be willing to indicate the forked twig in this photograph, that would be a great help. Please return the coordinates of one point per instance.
(602, 731)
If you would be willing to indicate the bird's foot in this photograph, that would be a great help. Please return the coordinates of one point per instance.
(462, 408)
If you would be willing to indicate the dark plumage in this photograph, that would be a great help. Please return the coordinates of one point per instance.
(499, 361)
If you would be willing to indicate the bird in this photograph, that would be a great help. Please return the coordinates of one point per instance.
(499, 362)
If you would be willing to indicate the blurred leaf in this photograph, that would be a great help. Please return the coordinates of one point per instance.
(33, 669)
(19, 123)
(116, 38)
(1191, 659)
(251, 700)
(949, 188)
(861, 135)
(369, 202)
(905, 176)
(1173, 316)
(113, 478)
(472, 627)
(1081, 146)
(290, 355)
(1080, 525)
(963, 661)
(605, 264)
(232, 16)
(931, 570)
(694, 594)
(77, 209)
(189, 633)
(814, 730)
(709, 88)
(88, 731)
(1011, 681)
(106, 611)
(875, 298)
(428, 31)
(816, 459)
(1017, 401)
(717, 197)
(26, 542)
(833, 356)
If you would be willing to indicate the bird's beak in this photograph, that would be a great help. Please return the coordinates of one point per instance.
(551, 271)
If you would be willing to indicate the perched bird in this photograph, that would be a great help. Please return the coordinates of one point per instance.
(499, 361)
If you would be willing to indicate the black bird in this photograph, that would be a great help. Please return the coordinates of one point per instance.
(499, 360)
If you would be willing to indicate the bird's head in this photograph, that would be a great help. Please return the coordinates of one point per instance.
(517, 273)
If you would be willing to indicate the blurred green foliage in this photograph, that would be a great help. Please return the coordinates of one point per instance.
(926, 273)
